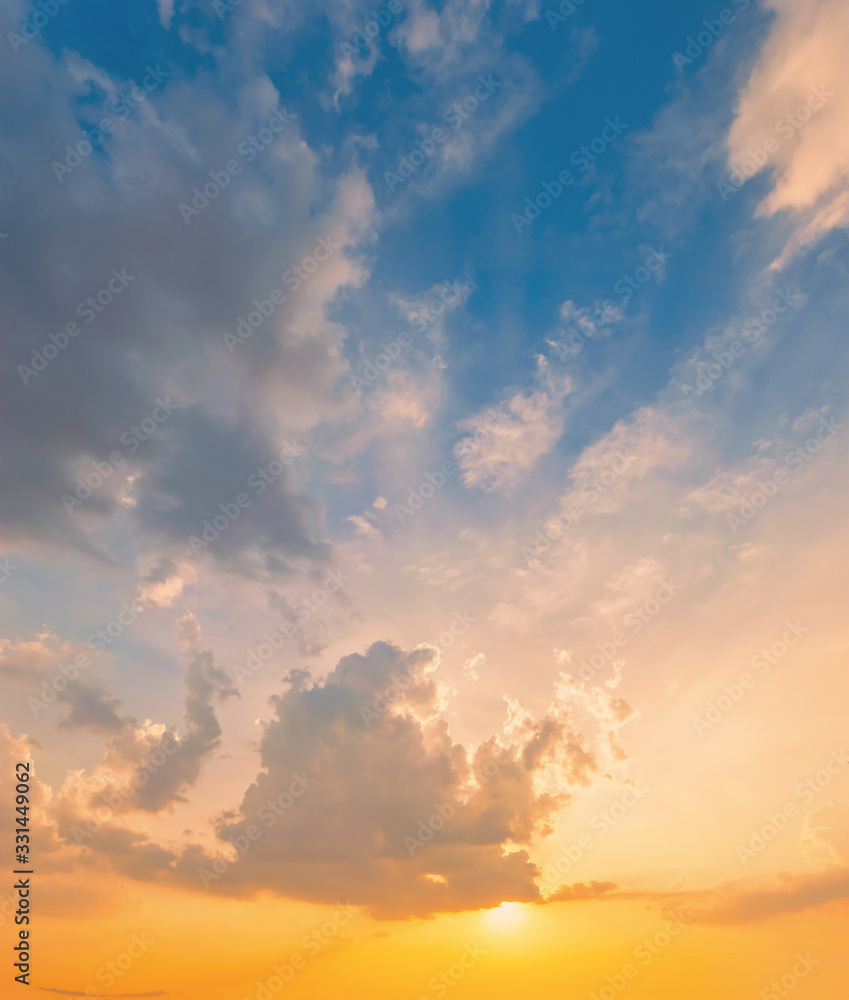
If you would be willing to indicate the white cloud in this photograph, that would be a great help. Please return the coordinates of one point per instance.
(505, 443)
(802, 73)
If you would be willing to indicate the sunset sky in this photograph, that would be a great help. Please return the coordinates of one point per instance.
(423, 502)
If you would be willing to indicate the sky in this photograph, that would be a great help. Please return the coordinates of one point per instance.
(423, 508)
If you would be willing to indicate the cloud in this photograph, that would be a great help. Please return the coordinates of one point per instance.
(370, 777)
(732, 904)
(798, 96)
(92, 707)
(502, 449)
(470, 666)
(442, 38)
(405, 399)
(825, 835)
(157, 788)
(118, 211)
(18, 750)
(581, 891)
(163, 582)
(728, 488)
(35, 663)
(610, 472)
(750, 901)
(145, 769)
(784, 894)
(166, 12)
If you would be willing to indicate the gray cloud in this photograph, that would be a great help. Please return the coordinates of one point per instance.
(163, 332)
(92, 707)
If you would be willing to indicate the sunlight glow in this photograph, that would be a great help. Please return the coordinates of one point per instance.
(505, 916)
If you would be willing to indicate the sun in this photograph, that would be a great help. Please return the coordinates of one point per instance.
(505, 916)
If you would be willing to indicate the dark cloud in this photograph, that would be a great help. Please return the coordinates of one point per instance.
(184, 286)
(92, 707)
(82, 993)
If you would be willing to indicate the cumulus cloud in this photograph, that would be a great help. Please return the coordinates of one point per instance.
(18, 750)
(146, 769)
(349, 788)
